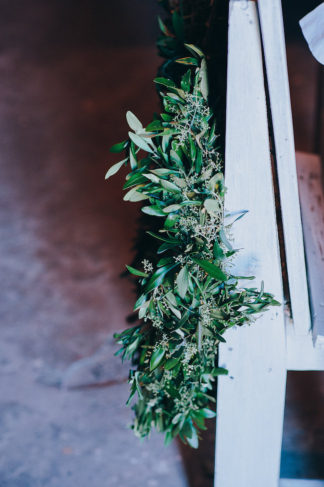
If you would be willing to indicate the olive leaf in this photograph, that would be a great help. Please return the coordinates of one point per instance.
(153, 210)
(140, 142)
(134, 195)
(119, 147)
(135, 272)
(212, 206)
(133, 122)
(157, 357)
(211, 269)
(183, 281)
(115, 168)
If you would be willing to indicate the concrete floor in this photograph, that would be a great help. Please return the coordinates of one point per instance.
(65, 236)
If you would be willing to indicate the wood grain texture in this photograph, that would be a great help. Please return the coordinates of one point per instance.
(312, 205)
(303, 72)
(277, 76)
(251, 399)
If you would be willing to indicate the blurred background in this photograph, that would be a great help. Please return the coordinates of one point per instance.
(69, 70)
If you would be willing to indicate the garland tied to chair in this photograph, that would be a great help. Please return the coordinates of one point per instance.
(189, 298)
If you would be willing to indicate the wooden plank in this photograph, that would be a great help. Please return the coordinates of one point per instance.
(301, 353)
(303, 75)
(301, 483)
(312, 206)
(251, 400)
(277, 76)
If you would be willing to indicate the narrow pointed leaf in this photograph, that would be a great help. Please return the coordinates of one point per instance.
(133, 122)
(119, 147)
(140, 142)
(211, 269)
(157, 357)
(153, 210)
(135, 272)
(183, 281)
(115, 168)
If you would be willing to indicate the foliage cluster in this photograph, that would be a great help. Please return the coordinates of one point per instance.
(189, 297)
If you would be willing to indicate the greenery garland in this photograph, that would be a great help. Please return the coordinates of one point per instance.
(189, 296)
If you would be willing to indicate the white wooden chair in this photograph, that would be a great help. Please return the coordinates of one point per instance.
(251, 399)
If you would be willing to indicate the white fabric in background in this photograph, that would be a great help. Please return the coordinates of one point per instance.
(312, 26)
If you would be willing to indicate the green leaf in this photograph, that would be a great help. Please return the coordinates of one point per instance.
(177, 418)
(171, 298)
(158, 277)
(132, 157)
(212, 206)
(193, 149)
(133, 346)
(189, 61)
(211, 269)
(218, 251)
(172, 362)
(157, 357)
(133, 122)
(224, 239)
(164, 28)
(183, 281)
(140, 142)
(135, 272)
(186, 81)
(152, 177)
(165, 142)
(198, 162)
(176, 157)
(140, 302)
(162, 171)
(168, 438)
(171, 220)
(191, 203)
(233, 216)
(115, 168)
(170, 186)
(138, 386)
(194, 50)
(135, 178)
(193, 440)
(207, 413)
(167, 240)
(133, 195)
(178, 25)
(154, 126)
(165, 82)
(204, 79)
(219, 371)
(119, 147)
(164, 261)
(171, 208)
(153, 210)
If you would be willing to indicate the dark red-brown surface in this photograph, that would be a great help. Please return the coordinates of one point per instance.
(68, 72)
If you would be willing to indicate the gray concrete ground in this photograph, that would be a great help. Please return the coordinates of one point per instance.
(65, 236)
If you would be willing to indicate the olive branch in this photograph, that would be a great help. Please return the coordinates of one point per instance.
(189, 297)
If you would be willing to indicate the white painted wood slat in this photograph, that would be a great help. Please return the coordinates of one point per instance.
(251, 399)
(301, 353)
(272, 31)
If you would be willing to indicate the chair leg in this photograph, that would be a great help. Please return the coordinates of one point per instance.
(250, 404)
